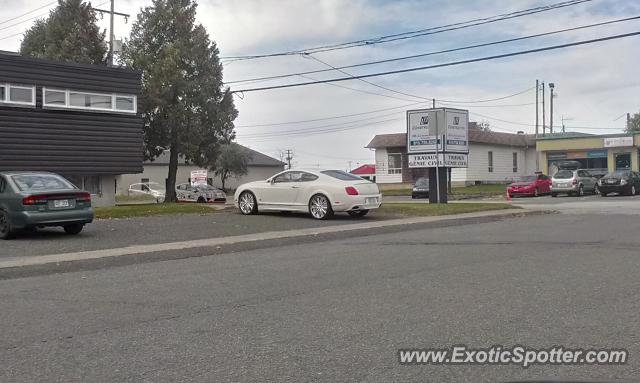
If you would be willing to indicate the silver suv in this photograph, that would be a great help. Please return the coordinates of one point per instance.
(573, 182)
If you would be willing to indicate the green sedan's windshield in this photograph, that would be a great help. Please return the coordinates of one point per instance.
(41, 182)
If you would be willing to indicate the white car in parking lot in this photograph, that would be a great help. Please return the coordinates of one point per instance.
(318, 192)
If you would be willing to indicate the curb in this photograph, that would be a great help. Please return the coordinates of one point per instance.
(95, 259)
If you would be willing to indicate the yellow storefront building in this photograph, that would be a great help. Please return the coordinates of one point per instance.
(597, 152)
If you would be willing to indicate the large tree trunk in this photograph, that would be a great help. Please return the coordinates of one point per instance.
(223, 179)
(173, 171)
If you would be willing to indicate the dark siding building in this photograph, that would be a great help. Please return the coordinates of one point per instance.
(77, 120)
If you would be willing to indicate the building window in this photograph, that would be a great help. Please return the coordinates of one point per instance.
(104, 102)
(395, 163)
(91, 101)
(91, 184)
(515, 162)
(490, 159)
(18, 94)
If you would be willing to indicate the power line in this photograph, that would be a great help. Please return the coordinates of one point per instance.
(25, 20)
(488, 100)
(329, 118)
(418, 33)
(26, 13)
(359, 90)
(321, 127)
(268, 137)
(486, 58)
(366, 81)
(266, 78)
(384, 110)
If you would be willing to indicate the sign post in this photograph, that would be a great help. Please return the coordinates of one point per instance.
(438, 139)
(199, 177)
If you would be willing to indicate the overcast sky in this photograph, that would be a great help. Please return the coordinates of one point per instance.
(596, 84)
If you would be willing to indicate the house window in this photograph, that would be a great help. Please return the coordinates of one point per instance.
(515, 162)
(91, 101)
(490, 160)
(104, 102)
(91, 184)
(395, 163)
(125, 103)
(17, 94)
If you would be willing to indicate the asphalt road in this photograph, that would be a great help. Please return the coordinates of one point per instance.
(338, 311)
(107, 234)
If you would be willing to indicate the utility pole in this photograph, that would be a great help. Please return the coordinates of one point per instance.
(544, 117)
(289, 158)
(628, 121)
(433, 103)
(349, 166)
(111, 13)
(551, 86)
(563, 120)
(537, 92)
(537, 122)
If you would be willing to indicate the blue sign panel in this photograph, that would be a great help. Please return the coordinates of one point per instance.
(597, 154)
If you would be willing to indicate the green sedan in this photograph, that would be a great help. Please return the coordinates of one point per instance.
(30, 200)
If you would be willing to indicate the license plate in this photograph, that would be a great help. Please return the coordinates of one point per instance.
(611, 181)
(562, 185)
(61, 203)
(371, 201)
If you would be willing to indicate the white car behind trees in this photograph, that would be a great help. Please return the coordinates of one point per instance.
(318, 192)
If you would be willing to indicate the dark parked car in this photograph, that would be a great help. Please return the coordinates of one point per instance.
(30, 200)
(420, 188)
(621, 182)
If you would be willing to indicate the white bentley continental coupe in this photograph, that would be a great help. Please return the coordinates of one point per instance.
(318, 192)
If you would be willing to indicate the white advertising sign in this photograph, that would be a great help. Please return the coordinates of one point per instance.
(456, 135)
(421, 132)
(432, 160)
(198, 177)
(616, 142)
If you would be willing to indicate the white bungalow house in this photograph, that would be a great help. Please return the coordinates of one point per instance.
(493, 158)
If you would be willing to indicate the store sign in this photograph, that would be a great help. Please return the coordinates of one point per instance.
(432, 160)
(422, 132)
(198, 177)
(597, 154)
(556, 156)
(457, 131)
(616, 142)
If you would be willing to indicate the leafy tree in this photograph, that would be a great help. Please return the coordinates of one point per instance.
(70, 33)
(184, 105)
(634, 124)
(233, 161)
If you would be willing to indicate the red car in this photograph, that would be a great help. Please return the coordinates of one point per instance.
(534, 185)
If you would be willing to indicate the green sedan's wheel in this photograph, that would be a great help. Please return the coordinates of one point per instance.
(5, 226)
(74, 229)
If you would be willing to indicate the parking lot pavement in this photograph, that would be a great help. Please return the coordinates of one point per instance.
(591, 204)
(107, 234)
